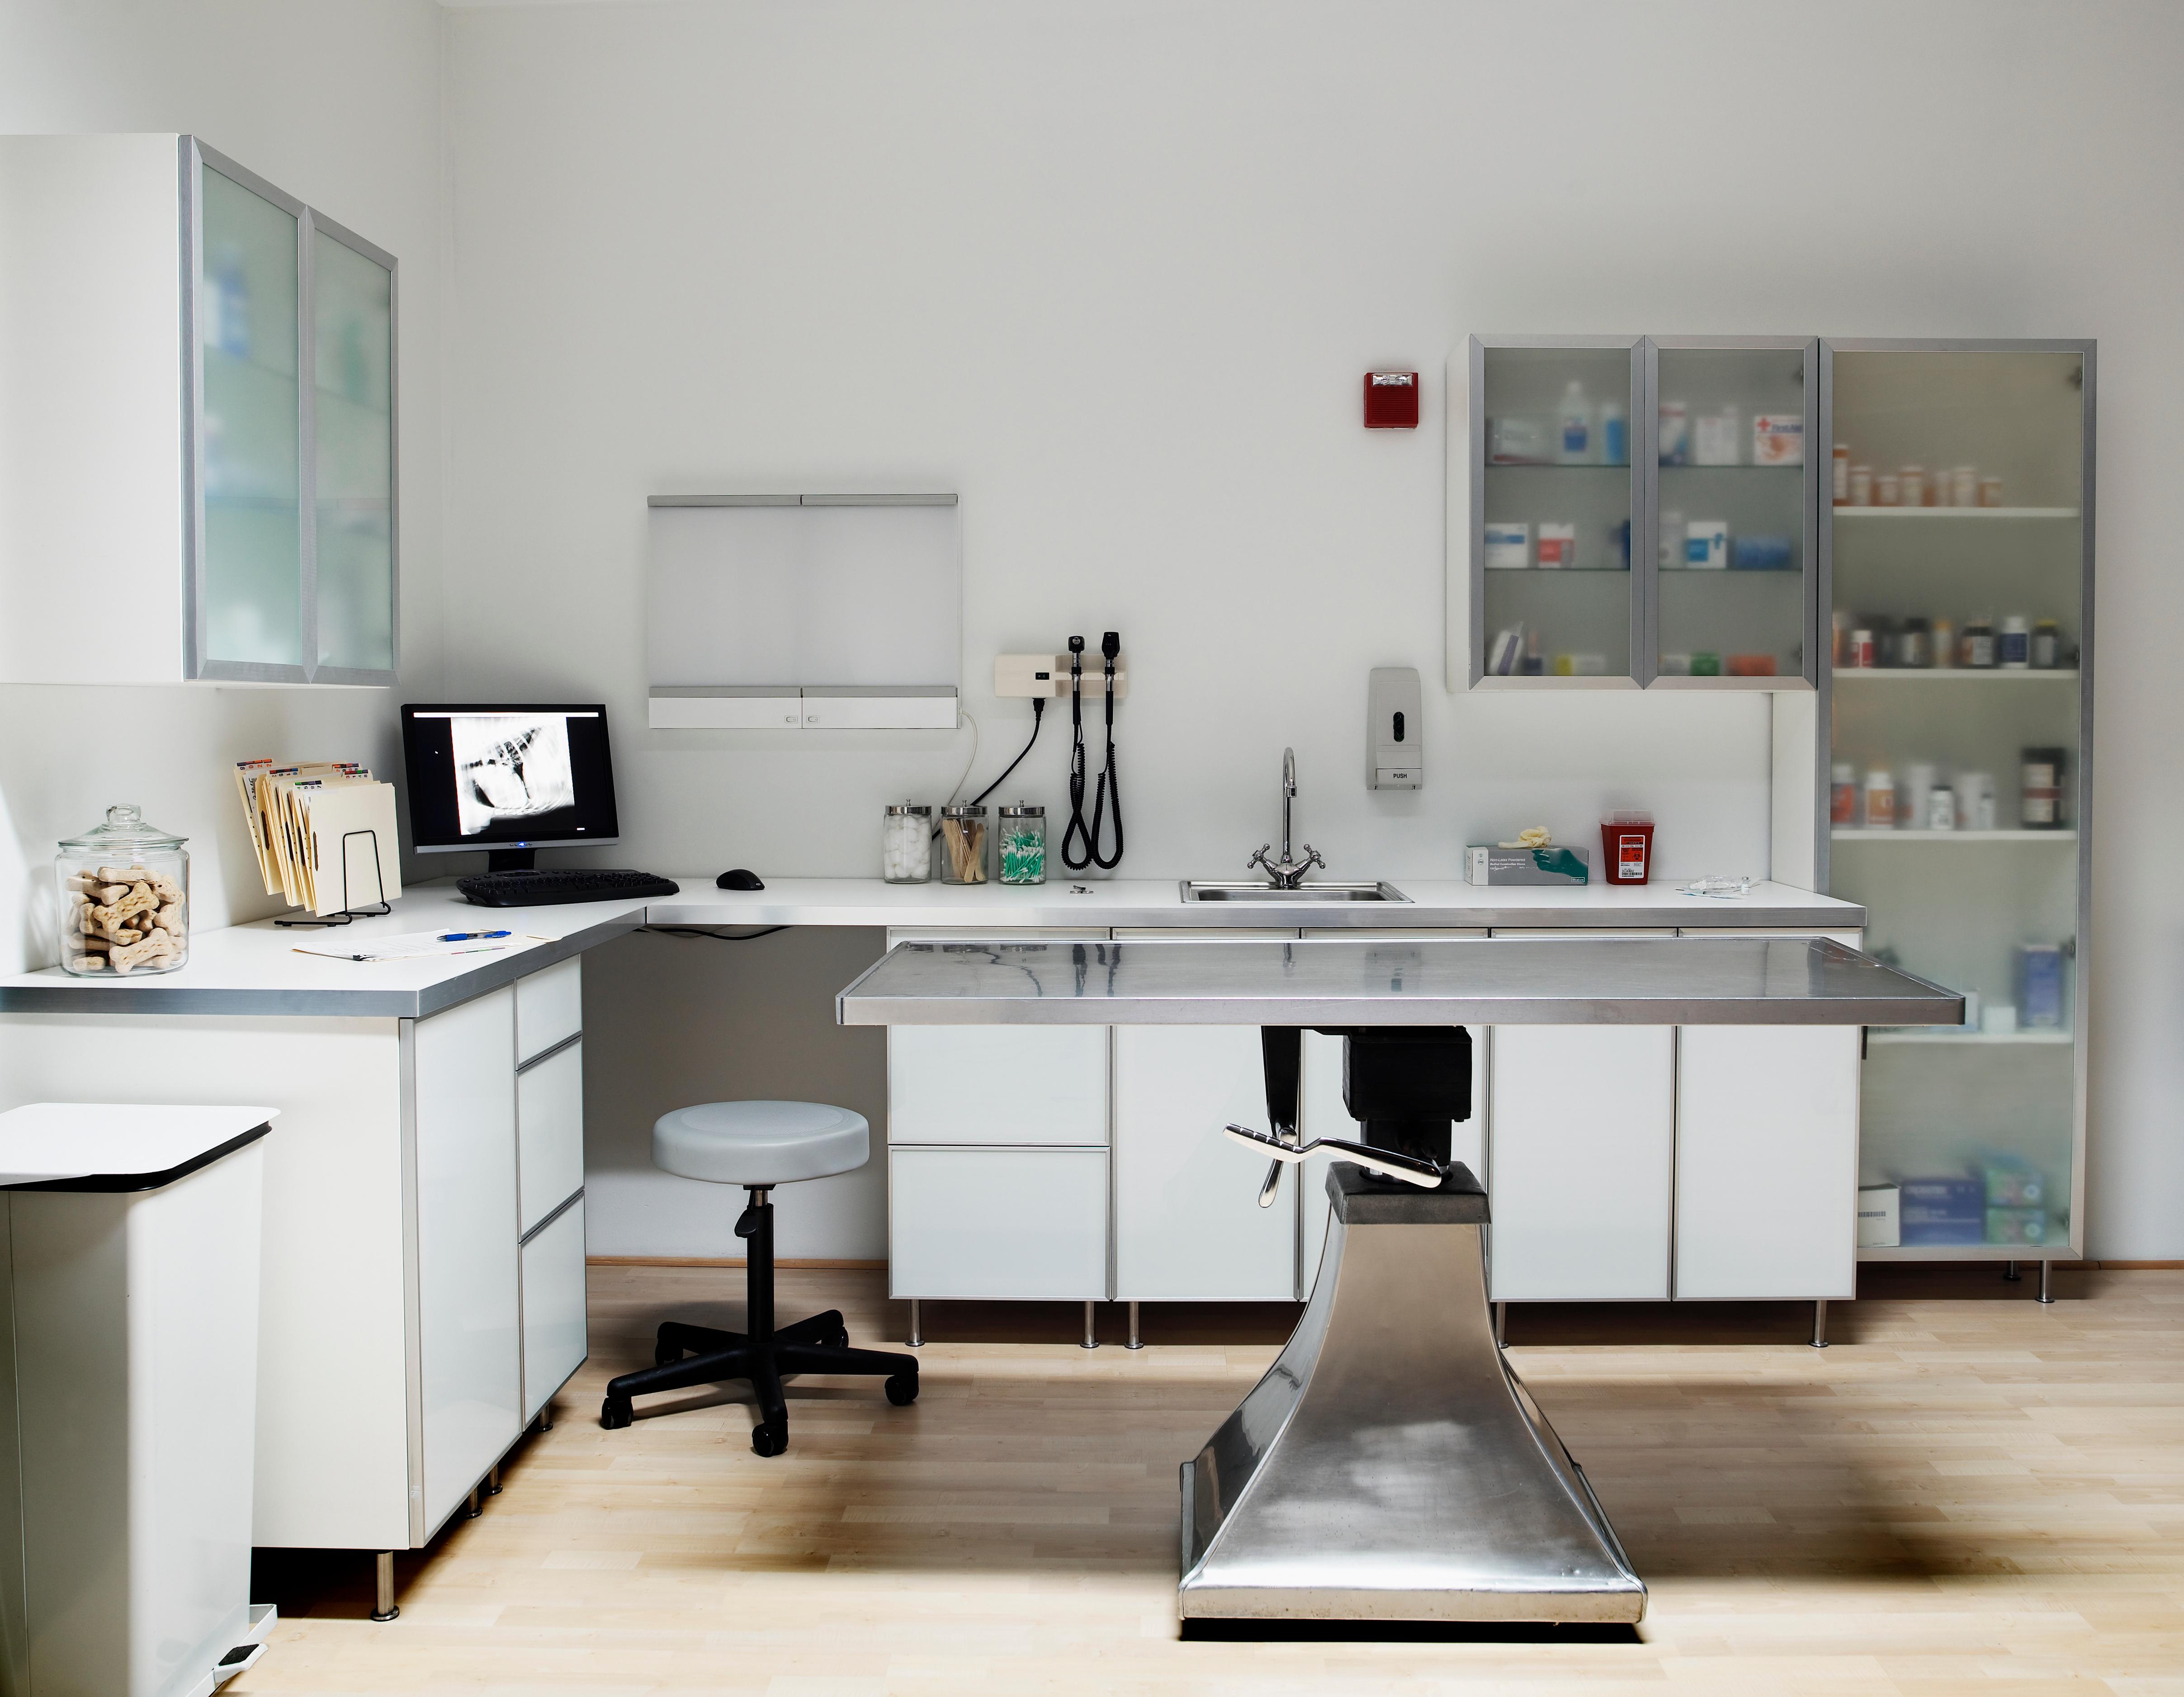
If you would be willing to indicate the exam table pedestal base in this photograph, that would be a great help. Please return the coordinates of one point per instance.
(1391, 1466)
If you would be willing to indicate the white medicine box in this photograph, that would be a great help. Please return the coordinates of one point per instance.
(1880, 1216)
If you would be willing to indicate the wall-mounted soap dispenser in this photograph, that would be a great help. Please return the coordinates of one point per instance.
(1395, 730)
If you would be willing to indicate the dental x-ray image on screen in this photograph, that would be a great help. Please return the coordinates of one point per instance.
(510, 767)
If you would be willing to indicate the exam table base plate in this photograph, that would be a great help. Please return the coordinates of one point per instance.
(1391, 1466)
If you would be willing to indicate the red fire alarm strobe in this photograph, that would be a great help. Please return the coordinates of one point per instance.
(1391, 400)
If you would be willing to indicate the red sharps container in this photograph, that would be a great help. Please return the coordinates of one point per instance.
(1626, 846)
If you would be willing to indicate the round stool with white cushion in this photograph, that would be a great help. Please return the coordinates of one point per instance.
(758, 1145)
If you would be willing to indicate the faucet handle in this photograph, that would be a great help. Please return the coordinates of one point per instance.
(1311, 859)
(1260, 858)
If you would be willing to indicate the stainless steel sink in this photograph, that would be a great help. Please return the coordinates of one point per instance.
(1196, 890)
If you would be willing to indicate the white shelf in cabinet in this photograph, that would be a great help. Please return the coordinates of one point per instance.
(1969, 1252)
(1901, 514)
(1970, 1039)
(1941, 674)
(1861, 833)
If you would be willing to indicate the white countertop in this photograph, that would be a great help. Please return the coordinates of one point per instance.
(254, 968)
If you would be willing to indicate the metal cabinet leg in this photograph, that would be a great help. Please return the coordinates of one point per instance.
(917, 1338)
(2046, 1289)
(546, 1417)
(475, 1508)
(1090, 1341)
(2009, 1272)
(384, 1561)
(1136, 1342)
(1501, 1323)
(492, 1480)
(1820, 1323)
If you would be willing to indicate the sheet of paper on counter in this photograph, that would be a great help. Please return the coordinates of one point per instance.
(415, 945)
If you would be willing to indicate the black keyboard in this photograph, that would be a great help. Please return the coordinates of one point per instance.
(543, 889)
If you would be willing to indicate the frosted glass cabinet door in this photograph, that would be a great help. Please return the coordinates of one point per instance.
(353, 403)
(1736, 508)
(249, 439)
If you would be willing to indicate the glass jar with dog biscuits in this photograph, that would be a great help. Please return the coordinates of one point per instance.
(124, 899)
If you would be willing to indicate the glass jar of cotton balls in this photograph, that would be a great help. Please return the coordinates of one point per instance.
(906, 844)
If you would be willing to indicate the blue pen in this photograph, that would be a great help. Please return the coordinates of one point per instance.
(470, 936)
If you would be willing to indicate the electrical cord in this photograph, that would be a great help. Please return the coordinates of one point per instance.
(1076, 859)
(712, 936)
(1038, 718)
(1110, 779)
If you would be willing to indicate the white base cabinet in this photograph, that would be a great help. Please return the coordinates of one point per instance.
(1622, 1163)
(414, 1312)
(1188, 1223)
(1584, 1154)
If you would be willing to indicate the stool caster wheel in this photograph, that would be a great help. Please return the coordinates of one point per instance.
(902, 1390)
(614, 1413)
(766, 1441)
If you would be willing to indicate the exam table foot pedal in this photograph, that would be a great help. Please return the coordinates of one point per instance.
(1390, 1466)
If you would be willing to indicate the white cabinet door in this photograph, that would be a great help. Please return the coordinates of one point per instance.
(997, 1084)
(997, 1223)
(1188, 1225)
(1767, 1161)
(1324, 1116)
(1581, 1155)
(549, 1008)
(468, 1348)
(550, 1132)
(555, 1342)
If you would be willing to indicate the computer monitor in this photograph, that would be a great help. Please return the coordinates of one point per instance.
(508, 780)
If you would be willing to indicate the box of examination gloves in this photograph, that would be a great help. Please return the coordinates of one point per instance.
(1943, 1210)
(1488, 863)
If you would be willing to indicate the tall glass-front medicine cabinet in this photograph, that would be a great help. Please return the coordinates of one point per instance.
(223, 465)
(1633, 511)
(1957, 734)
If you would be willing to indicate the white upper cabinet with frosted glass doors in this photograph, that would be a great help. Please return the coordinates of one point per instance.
(196, 423)
(1633, 512)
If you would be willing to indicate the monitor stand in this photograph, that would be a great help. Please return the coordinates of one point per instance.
(511, 860)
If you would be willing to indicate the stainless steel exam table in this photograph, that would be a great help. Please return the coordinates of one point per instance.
(1391, 1466)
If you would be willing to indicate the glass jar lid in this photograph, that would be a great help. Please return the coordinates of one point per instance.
(125, 835)
(969, 809)
(896, 810)
(1023, 810)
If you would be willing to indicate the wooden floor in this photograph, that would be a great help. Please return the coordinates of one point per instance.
(1970, 1491)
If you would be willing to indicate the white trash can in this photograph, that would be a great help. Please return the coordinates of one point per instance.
(128, 1396)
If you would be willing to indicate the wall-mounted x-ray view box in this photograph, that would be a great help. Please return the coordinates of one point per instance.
(803, 612)
(1394, 731)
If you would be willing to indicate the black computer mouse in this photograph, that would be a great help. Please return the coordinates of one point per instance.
(738, 879)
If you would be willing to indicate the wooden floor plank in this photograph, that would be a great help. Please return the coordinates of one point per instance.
(1970, 1493)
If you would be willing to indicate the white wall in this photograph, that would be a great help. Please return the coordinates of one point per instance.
(1113, 271)
(338, 103)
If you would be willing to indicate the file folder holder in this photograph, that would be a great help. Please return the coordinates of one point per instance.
(345, 913)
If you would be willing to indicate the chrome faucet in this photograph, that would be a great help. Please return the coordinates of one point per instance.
(1286, 874)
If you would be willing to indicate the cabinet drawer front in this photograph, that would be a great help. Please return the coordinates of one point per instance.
(549, 1008)
(549, 1128)
(469, 1349)
(1767, 1161)
(997, 1084)
(1581, 1148)
(554, 1343)
(1189, 1226)
(998, 1224)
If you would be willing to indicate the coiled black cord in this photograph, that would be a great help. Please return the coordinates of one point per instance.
(1110, 779)
(1075, 858)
